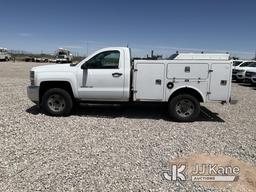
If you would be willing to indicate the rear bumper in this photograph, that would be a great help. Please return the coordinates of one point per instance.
(33, 93)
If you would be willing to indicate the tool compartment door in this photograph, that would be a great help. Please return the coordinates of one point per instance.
(149, 82)
(187, 71)
(220, 82)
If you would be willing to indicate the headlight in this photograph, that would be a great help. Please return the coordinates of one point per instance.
(32, 77)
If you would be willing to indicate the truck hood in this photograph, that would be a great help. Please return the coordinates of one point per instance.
(246, 68)
(56, 67)
(251, 69)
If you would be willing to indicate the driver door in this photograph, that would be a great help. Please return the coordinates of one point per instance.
(102, 77)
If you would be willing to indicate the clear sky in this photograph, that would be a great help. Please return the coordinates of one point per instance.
(162, 25)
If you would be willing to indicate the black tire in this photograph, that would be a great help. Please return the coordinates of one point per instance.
(61, 108)
(184, 108)
(6, 59)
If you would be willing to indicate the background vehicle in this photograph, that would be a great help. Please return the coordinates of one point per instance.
(253, 79)
(109, 76)
(236, 66)
(239, 73)
(236, 63)
(250, 75)
(63, 56)
(4, 55)
(29, 59)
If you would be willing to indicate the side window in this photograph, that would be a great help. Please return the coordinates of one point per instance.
(104, 60)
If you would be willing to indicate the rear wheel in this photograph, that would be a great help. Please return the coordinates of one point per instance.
(57, 102)
(184, 108)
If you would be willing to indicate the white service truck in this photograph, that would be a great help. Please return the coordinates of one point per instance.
(110, 75)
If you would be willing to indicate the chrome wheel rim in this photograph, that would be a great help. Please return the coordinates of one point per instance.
(185, 108)
(56, 103)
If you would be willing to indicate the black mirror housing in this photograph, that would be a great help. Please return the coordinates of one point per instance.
(84, 66)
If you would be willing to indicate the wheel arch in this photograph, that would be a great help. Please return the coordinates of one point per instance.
(188, 90)
(46, 85)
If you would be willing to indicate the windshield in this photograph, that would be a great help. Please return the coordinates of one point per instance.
(236, 63)
(62, 53)
(245, 64)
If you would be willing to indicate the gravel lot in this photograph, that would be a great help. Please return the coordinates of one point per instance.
(112, 148)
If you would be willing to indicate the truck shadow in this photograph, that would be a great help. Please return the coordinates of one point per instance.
(134, 111)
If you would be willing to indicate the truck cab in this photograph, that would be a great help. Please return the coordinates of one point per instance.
(108, 75)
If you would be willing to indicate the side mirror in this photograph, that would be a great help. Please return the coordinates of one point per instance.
(84, 66)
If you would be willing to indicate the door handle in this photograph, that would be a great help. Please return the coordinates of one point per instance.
(117, 74)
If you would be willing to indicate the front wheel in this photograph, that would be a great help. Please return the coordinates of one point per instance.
(184, 108)
(57, 102)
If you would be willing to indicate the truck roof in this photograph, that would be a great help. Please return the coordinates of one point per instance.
(202, 56)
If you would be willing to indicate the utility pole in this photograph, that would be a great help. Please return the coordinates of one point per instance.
(87, 48)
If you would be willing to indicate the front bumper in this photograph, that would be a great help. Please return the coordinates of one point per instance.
(61, 60)
(248, 80)
(33, 93)
(234, 77)
(234, 72)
